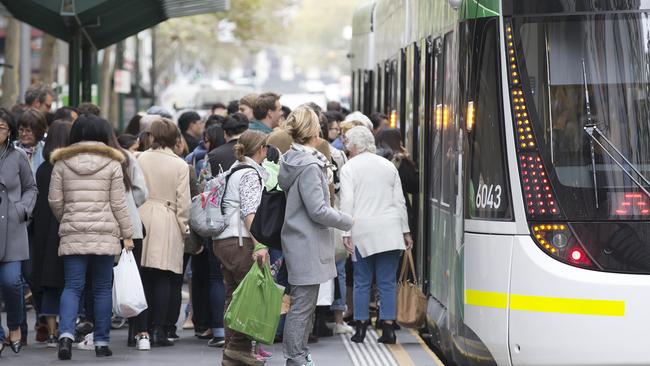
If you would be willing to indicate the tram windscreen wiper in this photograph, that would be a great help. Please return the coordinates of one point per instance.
(594, 133)
(589, 126)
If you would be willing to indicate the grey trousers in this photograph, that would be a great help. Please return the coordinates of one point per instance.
(299, 323)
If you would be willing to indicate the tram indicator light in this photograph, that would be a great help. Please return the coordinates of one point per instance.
(393, 119)
(558, 241)
(471, 116)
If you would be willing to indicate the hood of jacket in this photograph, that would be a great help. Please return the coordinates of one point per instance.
(292, 163)
(87, 157)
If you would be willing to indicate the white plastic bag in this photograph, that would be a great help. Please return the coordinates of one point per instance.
(128, 294)
(326, 293)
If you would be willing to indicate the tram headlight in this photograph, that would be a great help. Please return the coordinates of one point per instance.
(558, 241)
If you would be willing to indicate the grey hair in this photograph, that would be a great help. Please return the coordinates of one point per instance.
(358, 116)
(361, 140)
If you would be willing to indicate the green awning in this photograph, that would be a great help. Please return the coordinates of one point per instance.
(104, 22)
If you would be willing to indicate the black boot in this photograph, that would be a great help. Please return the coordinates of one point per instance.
(387, 334)
(360, 332)
(65, 348)
(159, 338)
(130, 341)
(103, 351)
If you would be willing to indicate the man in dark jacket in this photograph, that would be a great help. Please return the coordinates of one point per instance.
(191, 127)
(223, 157)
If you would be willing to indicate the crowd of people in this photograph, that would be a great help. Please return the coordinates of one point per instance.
(74, 194)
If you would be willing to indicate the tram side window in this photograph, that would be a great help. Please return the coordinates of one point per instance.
(448, 125)
(488, 191)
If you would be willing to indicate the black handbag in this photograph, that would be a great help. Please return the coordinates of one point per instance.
(269, 218)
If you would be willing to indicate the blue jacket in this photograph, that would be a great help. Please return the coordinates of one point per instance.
(256, 125)
(195, 157)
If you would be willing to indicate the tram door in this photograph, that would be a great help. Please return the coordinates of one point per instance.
(425, 71)
(443, 209)
(367, 92)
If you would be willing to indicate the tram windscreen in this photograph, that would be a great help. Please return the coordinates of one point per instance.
(615, 52)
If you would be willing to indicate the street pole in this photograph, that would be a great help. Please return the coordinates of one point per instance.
(25, 73)
(119, 65)
(74, 69)
(153, 66)
(137, 92)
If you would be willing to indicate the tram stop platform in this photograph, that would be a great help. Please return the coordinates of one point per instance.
(337, 350)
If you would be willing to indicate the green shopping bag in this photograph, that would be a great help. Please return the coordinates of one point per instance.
(255, 306)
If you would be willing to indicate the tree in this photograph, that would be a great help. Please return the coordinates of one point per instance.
(48, 51)
(11, 67)
(192, 43)
(315, 33)
(105, 85)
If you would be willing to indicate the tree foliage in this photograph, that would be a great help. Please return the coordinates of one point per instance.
(193, 42)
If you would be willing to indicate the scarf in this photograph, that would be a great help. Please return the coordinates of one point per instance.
(28, 150)
(318, 155)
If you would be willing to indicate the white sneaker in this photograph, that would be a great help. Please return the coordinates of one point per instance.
(88, 343)
(142, 342)
(343, 329)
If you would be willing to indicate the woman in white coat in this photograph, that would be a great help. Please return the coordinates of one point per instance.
(371, 192)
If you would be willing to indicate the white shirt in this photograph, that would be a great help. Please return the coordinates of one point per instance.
(371, 192)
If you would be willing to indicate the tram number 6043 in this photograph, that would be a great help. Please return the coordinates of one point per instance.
(488, 196)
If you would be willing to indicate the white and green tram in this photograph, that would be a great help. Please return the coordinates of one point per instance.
(530, 123)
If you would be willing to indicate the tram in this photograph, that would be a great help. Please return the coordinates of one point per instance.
(530, 123)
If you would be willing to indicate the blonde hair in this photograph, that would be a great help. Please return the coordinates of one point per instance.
(248, 144)
(348, 125)
(302, 124)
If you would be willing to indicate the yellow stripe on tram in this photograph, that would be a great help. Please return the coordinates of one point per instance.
(486, 299)
(545, 304)
(567, 306)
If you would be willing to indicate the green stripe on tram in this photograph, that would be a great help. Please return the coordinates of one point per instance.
(473, 9)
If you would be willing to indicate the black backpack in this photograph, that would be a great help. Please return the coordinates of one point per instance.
(269, 218)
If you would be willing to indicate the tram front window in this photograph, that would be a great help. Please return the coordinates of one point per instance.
(615, 52)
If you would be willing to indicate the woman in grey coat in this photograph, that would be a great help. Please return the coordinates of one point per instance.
(307, 242)
(17, 199)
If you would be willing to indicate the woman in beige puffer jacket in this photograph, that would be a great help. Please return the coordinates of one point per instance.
(87, 196)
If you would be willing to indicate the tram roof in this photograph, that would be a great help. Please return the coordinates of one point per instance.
(103, 22)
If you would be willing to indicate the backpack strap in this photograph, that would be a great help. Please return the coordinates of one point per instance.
(233, 170)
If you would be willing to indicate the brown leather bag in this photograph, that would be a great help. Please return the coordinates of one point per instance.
(411, 302)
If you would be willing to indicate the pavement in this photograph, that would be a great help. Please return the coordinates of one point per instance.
(190, 351)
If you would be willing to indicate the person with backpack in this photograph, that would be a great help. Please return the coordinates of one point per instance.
(307, 242)
(235, 247)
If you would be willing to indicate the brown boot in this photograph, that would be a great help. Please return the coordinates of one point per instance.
(240, 357)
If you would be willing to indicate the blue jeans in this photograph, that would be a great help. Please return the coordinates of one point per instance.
(339, 304)
(217, 293)
(11, 282)
(51, 301)
(74, 269)
(384, 267)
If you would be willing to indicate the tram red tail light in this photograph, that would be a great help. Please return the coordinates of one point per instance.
(538, 193)
(558, 241)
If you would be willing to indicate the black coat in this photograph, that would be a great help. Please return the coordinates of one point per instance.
(222, 157)
(408, 175)
(192, 142)
(47, 265)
